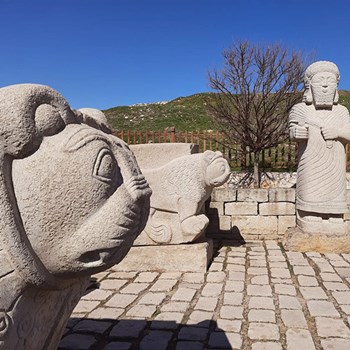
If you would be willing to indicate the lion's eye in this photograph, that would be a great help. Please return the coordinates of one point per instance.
(106, 167)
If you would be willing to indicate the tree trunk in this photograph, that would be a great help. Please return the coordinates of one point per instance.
(256, 169)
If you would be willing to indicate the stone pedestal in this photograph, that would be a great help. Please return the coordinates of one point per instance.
(297, 240)
(194, 257)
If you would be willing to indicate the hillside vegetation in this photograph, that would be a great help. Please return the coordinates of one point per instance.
(184, 113)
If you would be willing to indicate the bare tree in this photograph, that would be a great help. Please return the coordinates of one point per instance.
(255, 90)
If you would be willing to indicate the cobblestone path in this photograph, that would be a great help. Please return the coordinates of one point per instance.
(256, 296)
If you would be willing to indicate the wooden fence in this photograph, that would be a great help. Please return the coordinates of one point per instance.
(281, 157)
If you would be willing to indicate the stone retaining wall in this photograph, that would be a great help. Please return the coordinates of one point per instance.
(252, 214)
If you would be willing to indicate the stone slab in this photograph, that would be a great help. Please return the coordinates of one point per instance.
(297, 240)
(194, 257)
(157, 154)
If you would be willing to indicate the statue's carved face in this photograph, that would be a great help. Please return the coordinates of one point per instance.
(323, 88)
(73, 196)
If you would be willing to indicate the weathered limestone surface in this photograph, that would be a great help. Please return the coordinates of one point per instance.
(322, 128)
(160, 154)
(194, 257)
(180, 188)
(73, 200)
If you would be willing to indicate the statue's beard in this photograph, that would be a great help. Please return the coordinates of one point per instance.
(323, 100)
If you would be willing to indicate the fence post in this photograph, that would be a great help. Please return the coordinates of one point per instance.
(172, 135)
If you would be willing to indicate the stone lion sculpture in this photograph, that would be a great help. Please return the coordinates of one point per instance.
(73, 200)
(180, 189)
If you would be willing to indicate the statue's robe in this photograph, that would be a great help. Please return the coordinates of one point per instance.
(321, 177)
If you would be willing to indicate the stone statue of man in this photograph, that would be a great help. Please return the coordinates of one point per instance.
(322, 128)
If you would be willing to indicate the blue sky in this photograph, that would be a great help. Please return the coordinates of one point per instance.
(105, 53)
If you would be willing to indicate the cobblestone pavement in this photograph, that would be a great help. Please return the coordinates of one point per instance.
(256, 296)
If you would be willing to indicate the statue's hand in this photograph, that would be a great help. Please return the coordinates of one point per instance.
(299, 132)
(329, 133)
(137, 187)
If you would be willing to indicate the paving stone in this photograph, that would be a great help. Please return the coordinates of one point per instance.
(233, 298)
(279, 273)
(257, 271)
(307, 281)
(299, 339)
(225, 340)
(322, 308)
(343, 271)
(102, 313)
(313, 293)
(303, 270)
(276, 258)
(216, 266)
(167, 320)
(170, 276)
(193, 277)
(97, 294)
(195, 286)
(228, 325)
(121, 300)
(175, 306)
(342, 297)
(117, 345)
(259, 280)
(263, 331)
(281, 281)
(200, 318)
(335, 344)
(259, 290)
(128, 328)
(189, 345)
(85, 306)
(156, 340)
(92, 326)
(289, 302)
(183, 294)
(336, 286)
(193, 333)
(216, 277)
(212, 289)
(236, 268)
(134, 288)
(148, 277)
(325, 267)
(293, 318)
(261, 303)
(163, 285)
(285, 289)
(152, 298)
(258, 263)
(261, 316)
(143, 311)
(206, 303)
(231, 312)
(331, 327)
(234, 286)
(235, 260)
(77, 341)
(113, 284)
(266, 346)
(123, 274)
(278, 264)
(330, 277)
(236, 276)
(345, 308)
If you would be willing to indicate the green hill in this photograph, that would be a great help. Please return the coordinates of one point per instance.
(184, 113)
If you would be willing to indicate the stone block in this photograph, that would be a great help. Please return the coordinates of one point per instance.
(278, 208)
(285, 222)
(240, 208)
(255, 225)
(252, 195)
(223, 194)
(215, 209)
(193, 257)
(219, 224)
(282, 195)
(153, 155)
